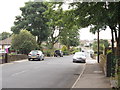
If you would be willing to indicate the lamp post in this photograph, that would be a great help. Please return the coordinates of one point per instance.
(98, 46)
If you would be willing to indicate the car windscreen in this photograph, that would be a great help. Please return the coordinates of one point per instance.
(79, 54)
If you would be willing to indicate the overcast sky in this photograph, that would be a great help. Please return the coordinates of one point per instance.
(10, 9)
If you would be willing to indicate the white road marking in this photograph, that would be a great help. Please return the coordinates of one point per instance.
(79, 77)
(18, 73)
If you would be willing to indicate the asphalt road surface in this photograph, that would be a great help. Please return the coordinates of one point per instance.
(53, 72)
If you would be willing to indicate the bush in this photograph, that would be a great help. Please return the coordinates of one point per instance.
(24, 42)
(109, 51)
(66, 52)
(73, 52)
(64, 48)
(49, 52)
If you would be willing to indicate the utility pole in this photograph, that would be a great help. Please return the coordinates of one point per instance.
(98, 46)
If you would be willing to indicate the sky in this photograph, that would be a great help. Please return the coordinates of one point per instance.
(10, 9)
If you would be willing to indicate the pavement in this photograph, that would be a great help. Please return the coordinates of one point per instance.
(92, 77)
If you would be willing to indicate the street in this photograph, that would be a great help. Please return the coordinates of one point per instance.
(53, 72)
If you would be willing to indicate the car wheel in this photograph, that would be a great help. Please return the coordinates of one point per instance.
(39, 59)
(73, 61)
(29, 59)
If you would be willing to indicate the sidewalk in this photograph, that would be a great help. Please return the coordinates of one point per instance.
(92, 77)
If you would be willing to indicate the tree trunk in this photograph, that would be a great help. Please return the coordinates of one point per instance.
(113, 51)
(39, 41)
(118, 43)
(118, 56)
(112, 41)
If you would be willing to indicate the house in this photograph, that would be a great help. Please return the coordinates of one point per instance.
(6, 43)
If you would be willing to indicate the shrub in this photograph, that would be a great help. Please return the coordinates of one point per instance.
(64, 48)
(66, 52)
(49, 52)
(73, 52)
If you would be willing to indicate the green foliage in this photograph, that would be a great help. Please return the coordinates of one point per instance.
(91, 13)
(103, 44)
(69, 37)
(64, 48)
(49, 52)
(73, 51)
(33, 20)
(109, 51)
(24, 42)
(70, 33)
(54, 14)
(4, 35)
(99, 15)
(66, 52)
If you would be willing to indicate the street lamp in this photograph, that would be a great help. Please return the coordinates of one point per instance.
(98, 45)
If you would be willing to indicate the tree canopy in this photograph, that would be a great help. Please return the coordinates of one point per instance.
(4, 35)
(33, 20)
(99, 15)
(24, 42)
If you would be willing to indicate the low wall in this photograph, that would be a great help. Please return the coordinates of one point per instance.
(103, 63)
(16, 57)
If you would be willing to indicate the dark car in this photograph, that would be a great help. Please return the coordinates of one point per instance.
(58, 53)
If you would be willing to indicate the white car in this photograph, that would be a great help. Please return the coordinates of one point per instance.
(79, 57)
(36, 54)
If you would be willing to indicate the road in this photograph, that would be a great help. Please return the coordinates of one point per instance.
(53, 72)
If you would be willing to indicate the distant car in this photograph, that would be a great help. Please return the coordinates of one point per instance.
(79, 57)
(36, 54)
(58, 53)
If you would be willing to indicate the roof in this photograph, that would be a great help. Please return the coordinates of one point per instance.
(6, 41)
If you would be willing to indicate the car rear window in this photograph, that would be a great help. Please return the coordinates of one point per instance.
(34, 52)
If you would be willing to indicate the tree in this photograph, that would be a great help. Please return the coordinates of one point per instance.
(99, 15)
(33, 20)
(103, 44)
(54, 14)
(70, 37)
(4, 35)
(24, 42)
(70, 34)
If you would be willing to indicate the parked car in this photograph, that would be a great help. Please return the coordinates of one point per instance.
(36, 54)
(79, 57)
(58, 53)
